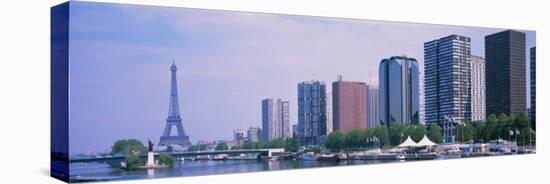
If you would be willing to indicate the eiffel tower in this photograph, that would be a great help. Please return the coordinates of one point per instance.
(174, 118)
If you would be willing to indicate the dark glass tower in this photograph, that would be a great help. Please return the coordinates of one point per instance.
(398, 91)
(312, 111)
(505, 72)
(533, 74)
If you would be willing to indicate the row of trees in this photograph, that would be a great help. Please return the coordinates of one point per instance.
(362, 138)
(515, 127)
(358, 139)
(290, 144)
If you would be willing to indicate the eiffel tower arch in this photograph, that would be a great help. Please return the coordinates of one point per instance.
(174, 118)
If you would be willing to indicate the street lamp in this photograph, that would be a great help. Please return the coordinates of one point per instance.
(517, 133)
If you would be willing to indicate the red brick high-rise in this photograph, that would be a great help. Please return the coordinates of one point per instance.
(349, 105)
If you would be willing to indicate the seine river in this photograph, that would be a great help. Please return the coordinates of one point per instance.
(102, 171)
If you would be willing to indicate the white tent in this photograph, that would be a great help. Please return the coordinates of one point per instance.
(408, 143)
(426, 142)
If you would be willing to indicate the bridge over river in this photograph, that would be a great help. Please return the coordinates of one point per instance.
(263, 152)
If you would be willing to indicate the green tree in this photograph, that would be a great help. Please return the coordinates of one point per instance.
(382, 134)
(291, 144)
(221, 146)
(251, 145)
(130, 146)
(466, 132)
(166, 159)
(355, 138)
(132, 162)
(197, 147)
(492, 119)
(434, 134)
(415, 131)
(521, 120)
(503, 119)
(335, 141)
(398, 133)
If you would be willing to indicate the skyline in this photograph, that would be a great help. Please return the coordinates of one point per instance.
(210, 51)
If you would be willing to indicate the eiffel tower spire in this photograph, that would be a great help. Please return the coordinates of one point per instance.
(173, 110)
(174, 118)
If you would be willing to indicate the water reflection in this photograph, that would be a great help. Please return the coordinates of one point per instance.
(203, 167)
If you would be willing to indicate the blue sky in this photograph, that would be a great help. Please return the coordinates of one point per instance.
(227, 62)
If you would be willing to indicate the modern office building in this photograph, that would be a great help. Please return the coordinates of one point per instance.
(349, 105)
(312, 109)
(329, 113)
(421, 100)
(254, 134)
(478, 89)
(505, 79)
(533, 74)
(398, 91)
(239, 135)
(275, 119)
(447, 72)
(295, 129)
(372, 107)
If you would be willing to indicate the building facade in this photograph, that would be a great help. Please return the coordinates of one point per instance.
(239, 135)
(478, 89)
(312, 121)
(329, 113)
(398, 91)
(422, 100)
(349, 105)
(275, 119)
(533, 75)
(447, 70)
(505, 79)
(253, 134)
(372, 107)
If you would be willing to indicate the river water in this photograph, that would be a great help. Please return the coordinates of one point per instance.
(103, 171)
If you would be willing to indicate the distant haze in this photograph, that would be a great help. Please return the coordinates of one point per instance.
(227, 62)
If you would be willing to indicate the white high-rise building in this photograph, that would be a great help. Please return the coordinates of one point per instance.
(275, 119)
(329, 112)
(372, 107)
(421, 100)
(478, 88)
(447, 79)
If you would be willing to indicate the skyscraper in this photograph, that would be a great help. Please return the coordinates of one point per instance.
(312, 110)
(275, 119)
(253, 134)
(447, 73)
(505, 72)
(329, 113)
(349, 105)
(478, 88)
(421, 100)
(533, 74)
(398, 91)
(372, 107)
